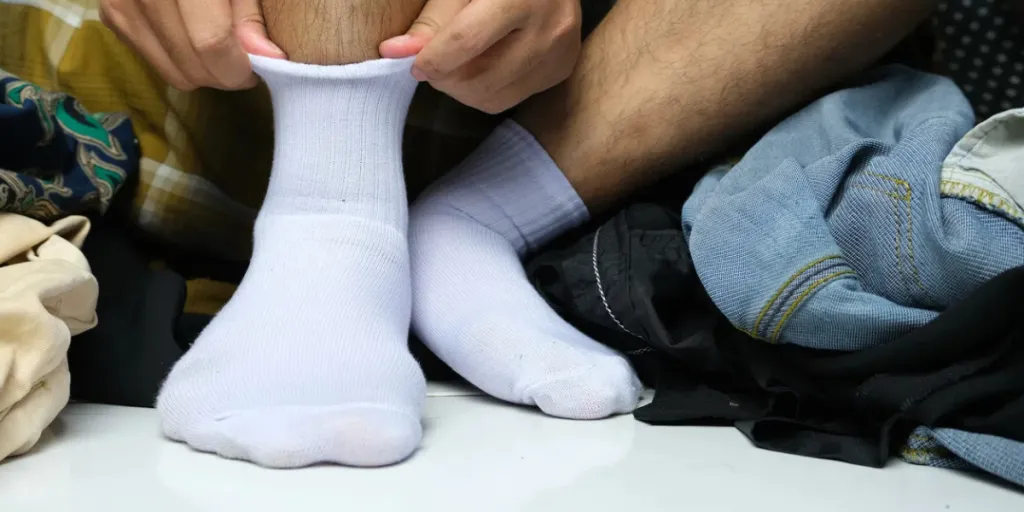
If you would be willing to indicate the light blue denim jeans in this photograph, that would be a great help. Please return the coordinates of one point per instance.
(834, 232)
(862, 217)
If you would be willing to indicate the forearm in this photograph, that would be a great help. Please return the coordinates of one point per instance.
(664, 82)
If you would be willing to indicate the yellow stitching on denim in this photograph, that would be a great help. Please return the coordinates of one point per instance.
(907, 199)
(902, 183)
(923, 455)
(778, 293)
(800, 298)
(914, 454)
(880, 191)
(896, 218)
(910, 235)
(934, 450)
(970, 191)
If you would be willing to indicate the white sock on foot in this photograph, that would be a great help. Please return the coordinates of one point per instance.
(309, 362)
(472, 303)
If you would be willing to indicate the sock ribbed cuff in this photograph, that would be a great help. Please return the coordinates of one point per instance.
(518, 177)
(339, 119)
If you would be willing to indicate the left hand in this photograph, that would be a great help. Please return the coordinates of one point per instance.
(492, 54)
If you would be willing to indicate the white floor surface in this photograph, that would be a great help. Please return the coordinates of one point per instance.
(477, 456)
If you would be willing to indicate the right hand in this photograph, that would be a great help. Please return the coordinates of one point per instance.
(194, 43)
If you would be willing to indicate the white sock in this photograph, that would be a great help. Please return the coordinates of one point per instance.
(472, 303)
(309, 362)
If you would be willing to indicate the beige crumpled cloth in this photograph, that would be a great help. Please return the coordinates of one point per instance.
(47, 295)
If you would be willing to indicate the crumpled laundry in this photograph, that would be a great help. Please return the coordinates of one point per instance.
(838, 231)
(865, 215)
(56, 158)
(870, 222)
(630, 285)
(47, 295)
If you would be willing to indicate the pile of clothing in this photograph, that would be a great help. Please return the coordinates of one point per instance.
(59, 164)
(850, 289)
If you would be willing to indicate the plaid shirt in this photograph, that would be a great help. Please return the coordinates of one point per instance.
(205, 154)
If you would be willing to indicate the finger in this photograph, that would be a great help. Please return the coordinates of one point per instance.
(541, 78)
(251, 29)
(435, 15)
(475, 29)
(166, 21)
(504, 63)
(541, 75)
(403, 46)
(528, 71)
(208, 25)
(132, 28)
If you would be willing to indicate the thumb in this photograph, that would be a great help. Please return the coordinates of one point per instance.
(434, 16)
(251, 30)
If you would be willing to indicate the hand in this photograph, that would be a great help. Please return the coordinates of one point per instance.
(492, 54)
(194, 43)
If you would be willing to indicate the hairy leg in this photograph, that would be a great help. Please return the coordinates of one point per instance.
(309, 362)
(659, 83)
(330, 32)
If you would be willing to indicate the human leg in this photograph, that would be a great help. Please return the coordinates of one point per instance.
(659, 84)
(308, 363)
(663, 83)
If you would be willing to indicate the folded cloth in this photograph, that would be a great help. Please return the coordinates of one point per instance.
(47, 294)
(57, 158)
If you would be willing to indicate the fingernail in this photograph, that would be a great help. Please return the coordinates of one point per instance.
(266, 47)
(418, 75)
(276, 49)
(404, 38)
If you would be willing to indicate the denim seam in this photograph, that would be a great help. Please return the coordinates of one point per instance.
(927, 455)
(907, 199)
(800, 299)
(897, 238)
(794, 290)
(976, 194)
(785, 286)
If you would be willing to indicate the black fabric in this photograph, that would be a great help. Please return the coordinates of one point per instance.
(981, 47)
(644, 272)
(434, 369)
(125, 358)
(594, 12)
(630, 285)
(188, 328)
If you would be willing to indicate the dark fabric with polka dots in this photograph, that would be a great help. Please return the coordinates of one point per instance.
(979, 45)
